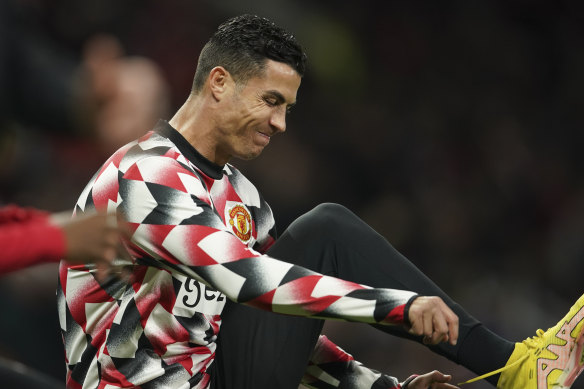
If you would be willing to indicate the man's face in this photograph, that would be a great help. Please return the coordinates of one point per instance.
(257, 111)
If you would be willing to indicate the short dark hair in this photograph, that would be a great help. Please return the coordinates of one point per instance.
(243, 44)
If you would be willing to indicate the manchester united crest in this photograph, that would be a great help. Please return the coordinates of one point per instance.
(239, 220)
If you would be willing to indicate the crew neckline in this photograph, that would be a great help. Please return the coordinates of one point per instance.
(211, 169)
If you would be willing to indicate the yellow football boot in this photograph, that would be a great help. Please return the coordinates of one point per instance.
(550, 360)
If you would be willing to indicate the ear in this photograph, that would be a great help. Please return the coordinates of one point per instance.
(220, 82)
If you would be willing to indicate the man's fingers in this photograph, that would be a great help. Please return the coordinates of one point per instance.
(416, 326)
(435, 327)
(453, 330)
(432, 319)
(436, 376)
(123, 226)
(103, 270)
(450, 322)
(440, 328)
(428, 325)
(432, 380)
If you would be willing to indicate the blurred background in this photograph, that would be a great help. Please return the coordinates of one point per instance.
(452, 127)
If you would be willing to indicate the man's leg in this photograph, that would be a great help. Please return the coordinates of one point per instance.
(256, 346)
(332, 240)
(551, 359)
(262, 350)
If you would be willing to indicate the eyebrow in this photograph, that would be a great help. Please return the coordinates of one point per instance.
(280, 97)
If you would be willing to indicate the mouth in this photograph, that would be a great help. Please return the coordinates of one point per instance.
(262, 138)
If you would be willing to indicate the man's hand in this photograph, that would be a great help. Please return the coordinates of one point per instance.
(431, 318)
(93, 238)
(432, 380)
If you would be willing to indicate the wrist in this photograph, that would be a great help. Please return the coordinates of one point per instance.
(405, 384)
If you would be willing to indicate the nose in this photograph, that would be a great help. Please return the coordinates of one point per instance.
(278, 120)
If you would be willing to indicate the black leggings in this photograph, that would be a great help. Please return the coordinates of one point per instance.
(259, 349)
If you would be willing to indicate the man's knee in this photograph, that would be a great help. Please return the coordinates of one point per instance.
(327, 218)
(332, 213)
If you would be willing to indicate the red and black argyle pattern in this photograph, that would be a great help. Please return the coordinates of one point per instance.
(199, 232)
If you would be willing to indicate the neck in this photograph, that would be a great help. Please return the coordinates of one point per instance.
(194, 122)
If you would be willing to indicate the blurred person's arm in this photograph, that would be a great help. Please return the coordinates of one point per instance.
(29, 237)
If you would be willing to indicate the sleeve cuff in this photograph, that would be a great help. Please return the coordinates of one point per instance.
(407, 310)
(404, 385)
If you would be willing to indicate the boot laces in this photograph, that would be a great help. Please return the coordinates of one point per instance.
(535, 341)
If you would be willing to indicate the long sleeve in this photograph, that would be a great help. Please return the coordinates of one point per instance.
(28, 238)
(174, 222)
(331, 367)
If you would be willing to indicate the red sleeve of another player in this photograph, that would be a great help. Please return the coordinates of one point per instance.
(27, 238)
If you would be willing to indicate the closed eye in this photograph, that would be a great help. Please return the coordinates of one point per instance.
(275, 99)
(271, 101)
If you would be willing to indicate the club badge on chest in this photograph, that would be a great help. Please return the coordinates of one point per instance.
(238, 218)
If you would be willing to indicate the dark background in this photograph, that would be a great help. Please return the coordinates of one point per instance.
(452, 127)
